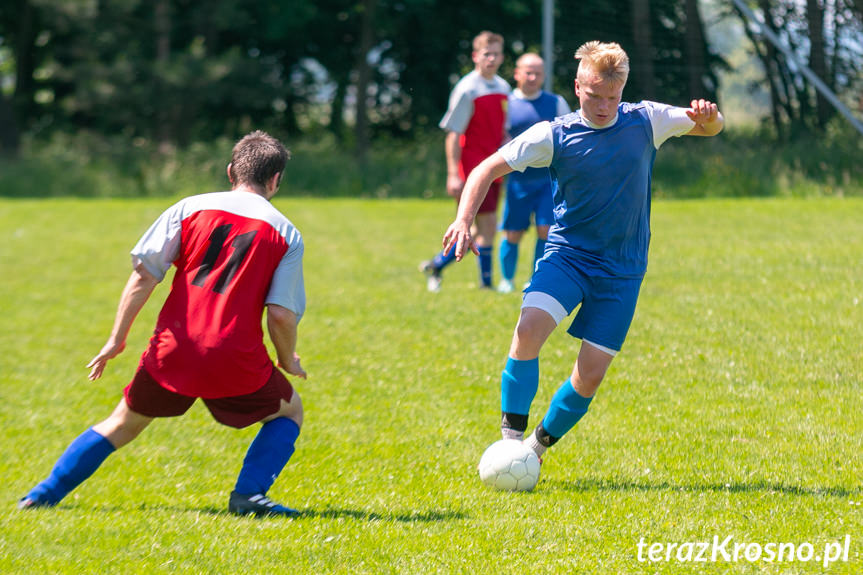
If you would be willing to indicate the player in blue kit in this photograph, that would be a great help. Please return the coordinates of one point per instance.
(600, 159)
(529, 192)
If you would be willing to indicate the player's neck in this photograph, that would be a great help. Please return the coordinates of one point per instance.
(251, 189)
(486, 75)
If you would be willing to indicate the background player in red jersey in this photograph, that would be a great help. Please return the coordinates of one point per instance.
(235, 255)
(475, 122)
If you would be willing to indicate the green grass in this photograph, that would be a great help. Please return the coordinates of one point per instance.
(735, 408)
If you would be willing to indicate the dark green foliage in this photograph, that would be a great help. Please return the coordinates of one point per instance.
(735, 164)
(180, 71)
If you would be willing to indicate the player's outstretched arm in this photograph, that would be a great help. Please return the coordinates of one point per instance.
(282, 326)
(708, 120)
(458, 234)
(136, 293)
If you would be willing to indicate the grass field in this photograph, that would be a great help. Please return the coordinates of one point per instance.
(735, 409)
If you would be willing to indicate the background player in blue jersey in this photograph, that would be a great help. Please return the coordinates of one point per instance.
(527, 193)
(600, 159)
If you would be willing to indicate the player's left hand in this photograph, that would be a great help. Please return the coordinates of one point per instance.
(459, 238)
(702, 112)
(109, 351)
(294, 368)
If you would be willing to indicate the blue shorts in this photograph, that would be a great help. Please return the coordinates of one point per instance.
(524, 200)
(607, 303)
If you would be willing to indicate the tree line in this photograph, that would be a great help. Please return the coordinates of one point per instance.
(179, 71)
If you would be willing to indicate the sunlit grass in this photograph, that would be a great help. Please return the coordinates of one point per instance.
(733, 410)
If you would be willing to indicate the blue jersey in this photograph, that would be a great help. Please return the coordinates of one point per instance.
(601, 178)
(523, 114)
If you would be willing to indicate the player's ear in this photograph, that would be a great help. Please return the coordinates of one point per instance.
(228, 170)
(273, 185)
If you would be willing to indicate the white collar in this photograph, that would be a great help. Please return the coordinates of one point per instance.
(596, 127)
(519, 94)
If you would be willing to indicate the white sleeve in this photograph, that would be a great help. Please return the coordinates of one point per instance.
(159, 246)
(533, 148)
(562, 106)
(287, 288)
(667, 121)
(460, 110)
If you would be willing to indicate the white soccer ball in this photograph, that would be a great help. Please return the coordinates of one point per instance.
(509, 465)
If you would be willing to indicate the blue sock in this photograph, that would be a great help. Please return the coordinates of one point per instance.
(508, 259)
(485, 265)
(441, 261)
(538, 251)
(267, 456)
(566, 408)
(518, 384)
(80, 460)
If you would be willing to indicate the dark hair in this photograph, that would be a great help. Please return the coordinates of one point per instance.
(256, 158)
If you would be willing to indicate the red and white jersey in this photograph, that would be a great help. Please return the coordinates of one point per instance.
(478, 111)
(234, 253)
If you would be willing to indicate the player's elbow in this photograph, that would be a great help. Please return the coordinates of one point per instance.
(281, 317)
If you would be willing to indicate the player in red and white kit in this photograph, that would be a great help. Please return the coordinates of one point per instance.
(235, 256)
(476, 125)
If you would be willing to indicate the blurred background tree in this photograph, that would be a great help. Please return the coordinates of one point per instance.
(170, 73)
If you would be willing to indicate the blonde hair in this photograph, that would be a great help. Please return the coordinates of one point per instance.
(485, 38)
(606, 60)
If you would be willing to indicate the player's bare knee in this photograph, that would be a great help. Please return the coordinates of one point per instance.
(294, 409)
(527, 340)
(514, 236)
(527, 332)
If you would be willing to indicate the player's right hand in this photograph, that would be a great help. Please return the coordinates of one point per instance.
(459, 238)
(454, 186)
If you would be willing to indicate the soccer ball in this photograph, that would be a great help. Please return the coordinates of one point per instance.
(509, 465)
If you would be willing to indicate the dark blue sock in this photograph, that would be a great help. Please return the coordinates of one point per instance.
(508, 259)
(485, 266)
(441, 261)
(566, 408)
(518, 384)
(80, 460)
(267, 456)
(538, 251)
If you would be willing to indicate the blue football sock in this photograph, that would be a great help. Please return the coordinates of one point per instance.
(441, 261)
(508, 259)
(518, 384)
(80, 460)
(485, 265)
(267, 456)
(566, 408)
(538, 251)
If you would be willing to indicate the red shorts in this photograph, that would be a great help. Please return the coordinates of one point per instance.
(470, 159)
(489, 204)
(144, 395)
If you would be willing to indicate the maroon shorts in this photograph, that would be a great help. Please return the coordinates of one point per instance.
(144, 395)
(489, 204)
